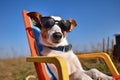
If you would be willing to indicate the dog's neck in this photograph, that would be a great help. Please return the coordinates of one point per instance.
(64, 42)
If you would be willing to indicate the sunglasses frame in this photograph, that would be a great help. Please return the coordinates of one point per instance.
(49, 22)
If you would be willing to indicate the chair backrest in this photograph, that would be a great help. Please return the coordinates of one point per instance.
(33, 34)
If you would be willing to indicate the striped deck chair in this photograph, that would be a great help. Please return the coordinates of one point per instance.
(43, 71)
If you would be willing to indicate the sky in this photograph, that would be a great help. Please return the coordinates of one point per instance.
(96, 19)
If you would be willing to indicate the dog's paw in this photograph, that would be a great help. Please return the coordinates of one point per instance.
(97, 75)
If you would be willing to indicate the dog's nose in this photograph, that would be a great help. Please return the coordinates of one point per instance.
(57, 35)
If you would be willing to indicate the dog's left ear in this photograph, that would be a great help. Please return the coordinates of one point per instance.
(73, 24)
(35, 17)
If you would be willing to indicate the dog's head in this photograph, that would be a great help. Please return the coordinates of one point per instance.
(53, 29)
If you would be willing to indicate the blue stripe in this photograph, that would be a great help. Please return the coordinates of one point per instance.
(50, 73)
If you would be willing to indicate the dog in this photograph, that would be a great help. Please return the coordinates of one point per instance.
(53, 38)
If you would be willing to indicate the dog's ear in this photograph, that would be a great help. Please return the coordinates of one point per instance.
(73, 24)
(35, 17)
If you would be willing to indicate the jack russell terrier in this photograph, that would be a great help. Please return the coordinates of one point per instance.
(53, 38)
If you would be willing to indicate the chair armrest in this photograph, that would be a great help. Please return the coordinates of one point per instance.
(59, 62)
(105, 57)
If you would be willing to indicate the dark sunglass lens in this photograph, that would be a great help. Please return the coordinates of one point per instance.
(60, 23)
(50, 22)
(47, 22)
(65, 25)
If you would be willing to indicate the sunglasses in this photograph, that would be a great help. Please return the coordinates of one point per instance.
(49, 22)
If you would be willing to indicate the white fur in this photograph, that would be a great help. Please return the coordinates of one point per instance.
(75, 69)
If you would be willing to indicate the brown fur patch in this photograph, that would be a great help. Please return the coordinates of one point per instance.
(44, 33)
(64, 33)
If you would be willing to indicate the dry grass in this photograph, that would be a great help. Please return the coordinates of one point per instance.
(99, 64)
(15, 69)
(18, 68)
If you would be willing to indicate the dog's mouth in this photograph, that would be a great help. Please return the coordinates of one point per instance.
(56, 41)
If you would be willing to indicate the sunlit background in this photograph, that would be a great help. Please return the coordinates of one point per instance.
(96, 19)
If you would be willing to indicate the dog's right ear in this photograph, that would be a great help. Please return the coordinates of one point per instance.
(35, 17)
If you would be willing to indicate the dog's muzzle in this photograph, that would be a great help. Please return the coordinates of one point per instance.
(57, 36)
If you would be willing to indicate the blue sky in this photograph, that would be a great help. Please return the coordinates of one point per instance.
(96, 19)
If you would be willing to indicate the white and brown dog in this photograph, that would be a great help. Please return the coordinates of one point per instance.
(53, 38)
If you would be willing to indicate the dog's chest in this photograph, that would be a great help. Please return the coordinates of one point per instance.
(69, 57)
(63, 54)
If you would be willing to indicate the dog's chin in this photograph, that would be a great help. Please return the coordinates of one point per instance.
(56, 41)
(51, 42)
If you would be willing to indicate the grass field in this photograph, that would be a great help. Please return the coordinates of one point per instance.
(18, 68)
(15, 69)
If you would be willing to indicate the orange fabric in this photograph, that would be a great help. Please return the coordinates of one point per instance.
(40, 68)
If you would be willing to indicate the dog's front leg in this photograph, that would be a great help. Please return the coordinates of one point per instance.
(79, 75)
(97, 75)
